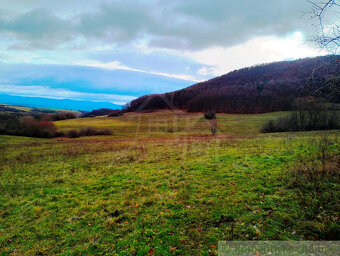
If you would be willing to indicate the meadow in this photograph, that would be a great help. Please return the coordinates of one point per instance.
(163, 185)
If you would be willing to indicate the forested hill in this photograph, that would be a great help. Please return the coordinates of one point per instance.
(257, 89)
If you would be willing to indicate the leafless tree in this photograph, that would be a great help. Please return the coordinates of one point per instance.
(326, 13)
(325, 16)
(211, 117)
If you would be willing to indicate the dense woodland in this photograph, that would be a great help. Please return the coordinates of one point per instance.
(257, 89)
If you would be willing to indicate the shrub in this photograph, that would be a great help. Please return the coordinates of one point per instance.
(35, 128)
(26, 126)
(45, 117)
(45, 129)
(73, 134)
(88, 132)
(117, 112)
(210, 115)
(98, 112)
(10, 124)
(63, 116)
(104, 132)
(269, 126)
(59, 134)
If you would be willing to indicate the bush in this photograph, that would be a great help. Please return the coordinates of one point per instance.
(92, 132)
(10, 124)
(38, 126)
(73, 134)
(104, 132)
(63, 116)
(117, 112)
(99, 112)
(45, 129)
(59, 134)
(269, 126)
(210, 115)
(53, 117)
(26, 126)
(34, 128)
(89, 131)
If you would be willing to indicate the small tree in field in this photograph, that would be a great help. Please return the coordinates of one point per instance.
(211, 117)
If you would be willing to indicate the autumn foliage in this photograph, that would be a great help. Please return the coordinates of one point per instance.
(258, 89)
(27, 126)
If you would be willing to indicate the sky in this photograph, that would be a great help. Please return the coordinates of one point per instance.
(116, 50)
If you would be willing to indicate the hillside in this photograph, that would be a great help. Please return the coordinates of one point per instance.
(4, 108)
(257, 89)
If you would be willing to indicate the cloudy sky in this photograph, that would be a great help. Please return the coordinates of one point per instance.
(115, 50)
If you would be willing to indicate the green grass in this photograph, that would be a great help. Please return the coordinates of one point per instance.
(163, 123)
(160, 184)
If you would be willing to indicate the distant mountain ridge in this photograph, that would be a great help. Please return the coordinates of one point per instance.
(257, 89)
(47, 103)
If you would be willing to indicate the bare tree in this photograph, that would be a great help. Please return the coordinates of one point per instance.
(325, 16)
(211, 117)
(326, 13)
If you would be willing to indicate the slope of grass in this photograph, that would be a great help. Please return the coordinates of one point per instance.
(149, 190)
(37, 110)
(161, 123)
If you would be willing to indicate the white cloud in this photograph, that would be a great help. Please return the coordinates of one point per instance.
(53, 93)
(177, 24)
(216, 36)
(205, 71)
(259, 50)
(117, 65)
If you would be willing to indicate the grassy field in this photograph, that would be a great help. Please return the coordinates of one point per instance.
(177, 123)
(30, 109)
(162, 185)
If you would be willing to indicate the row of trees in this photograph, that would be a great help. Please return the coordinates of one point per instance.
(310, 114)
(26, 126)
(40, 126)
